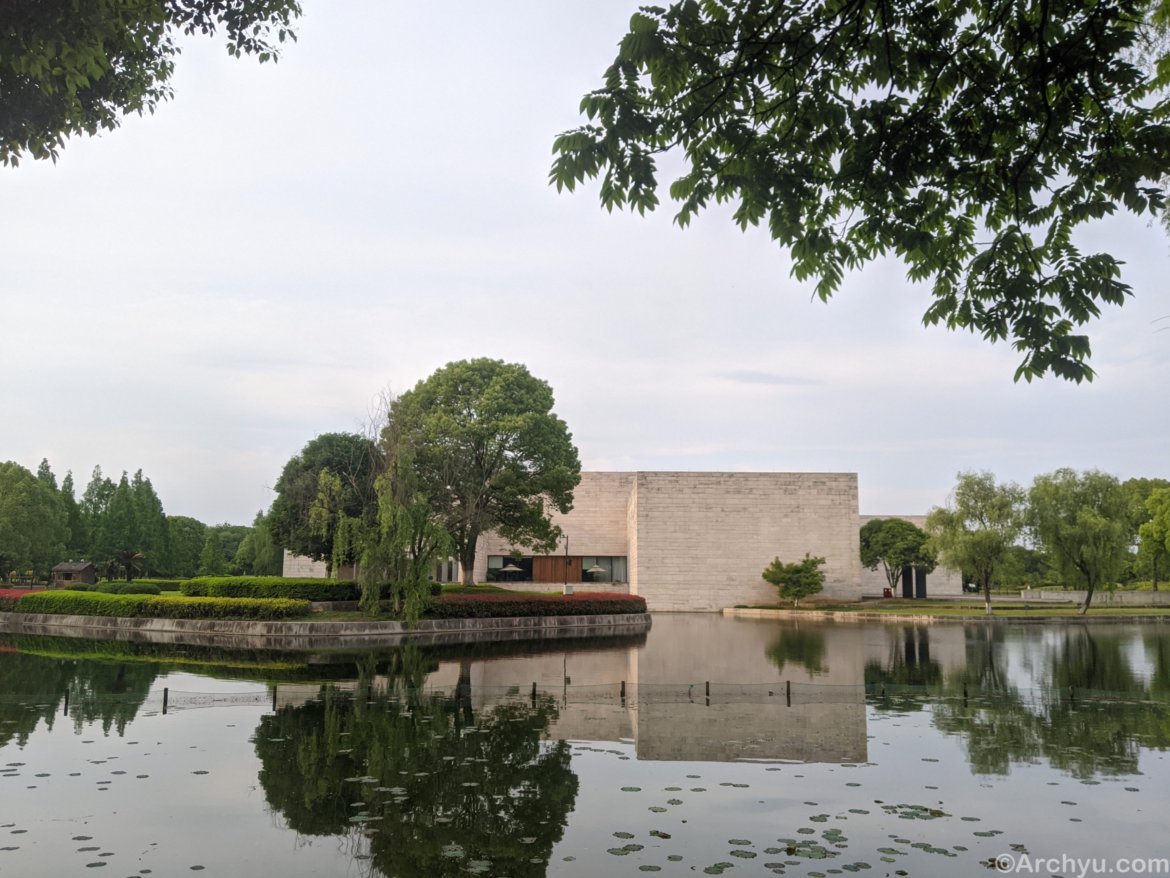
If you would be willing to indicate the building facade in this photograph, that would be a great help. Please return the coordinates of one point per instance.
(692, 541)
(689, 541)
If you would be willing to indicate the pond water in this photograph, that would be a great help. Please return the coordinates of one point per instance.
(707, 746)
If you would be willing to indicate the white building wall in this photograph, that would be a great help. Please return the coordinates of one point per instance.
(301, 567)
(940, 582)
(703, 539)
(596, 525)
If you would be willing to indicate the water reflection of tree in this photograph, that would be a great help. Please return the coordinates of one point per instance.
(898, 683)
(437, 774)
(1088, 715)
(34, 689)
(802, 646)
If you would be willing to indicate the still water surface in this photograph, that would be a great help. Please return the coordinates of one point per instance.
(740, 748)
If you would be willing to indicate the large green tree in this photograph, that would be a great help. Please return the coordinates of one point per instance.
(354, 461)
(78, 541)
(1081, 521)
(1154, 534)
(894, 544)
(968, 138)
(94, 502)
(33, 525)
(69, 68)
(257, 554)
(1151, 557)
(977, 529)
(152, 533)
(185, 537)
(211, 558)
(487, 453)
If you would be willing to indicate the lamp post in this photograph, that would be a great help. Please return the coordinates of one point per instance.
(567, 589)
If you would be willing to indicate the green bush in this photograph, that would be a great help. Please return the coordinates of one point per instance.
(125, 588)
(79, 586)
(163, 584)
(181, 607)
(75, 603)
(472, 606)
(271, 587)
(78, 603)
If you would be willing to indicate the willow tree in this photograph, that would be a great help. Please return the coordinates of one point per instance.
(487, 453)
(307, 514)
(977, 529)
(1081, 522)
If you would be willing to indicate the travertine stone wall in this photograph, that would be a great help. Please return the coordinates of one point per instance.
(939, 582)
(596, 525)
(301, 567)
(699, 541)
(702, 539)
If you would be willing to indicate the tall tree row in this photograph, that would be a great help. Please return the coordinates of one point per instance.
(1084, 530)
(120, 526)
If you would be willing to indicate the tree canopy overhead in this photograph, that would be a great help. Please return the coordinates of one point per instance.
(969, 138)
(69, 68)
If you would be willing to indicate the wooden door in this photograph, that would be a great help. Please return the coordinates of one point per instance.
(551, 568)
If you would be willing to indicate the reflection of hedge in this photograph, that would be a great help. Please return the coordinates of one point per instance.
(476, 606)
(197, 658)
(272, 587)
(86, 603)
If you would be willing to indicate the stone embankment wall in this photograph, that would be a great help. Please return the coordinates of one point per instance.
(1100, 598)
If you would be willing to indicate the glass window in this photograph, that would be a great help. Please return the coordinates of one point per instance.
(604, 568)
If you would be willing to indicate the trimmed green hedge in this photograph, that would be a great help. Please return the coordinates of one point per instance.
(272, 587)
(65, 603)
(163, 584)
(135, 587)
(473, 606)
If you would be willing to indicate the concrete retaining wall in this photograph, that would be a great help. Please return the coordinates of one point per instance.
(1100, 598)
(318, 634)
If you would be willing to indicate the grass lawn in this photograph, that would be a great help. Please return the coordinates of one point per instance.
(973, 609)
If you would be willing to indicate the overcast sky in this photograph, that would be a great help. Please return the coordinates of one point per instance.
(203, 291)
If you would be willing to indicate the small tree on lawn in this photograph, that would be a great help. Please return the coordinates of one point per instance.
(798, 579)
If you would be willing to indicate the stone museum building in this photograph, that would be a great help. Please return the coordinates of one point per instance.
(692, 541)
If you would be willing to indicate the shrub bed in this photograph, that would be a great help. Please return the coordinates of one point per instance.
(91, 603)
(271, 587)
(474, 606)
(163, 584)
(135, 587)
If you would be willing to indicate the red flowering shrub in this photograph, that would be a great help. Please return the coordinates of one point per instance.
(478, 606)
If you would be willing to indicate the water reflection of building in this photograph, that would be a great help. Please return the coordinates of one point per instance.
(748, 711)
(791, 691)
